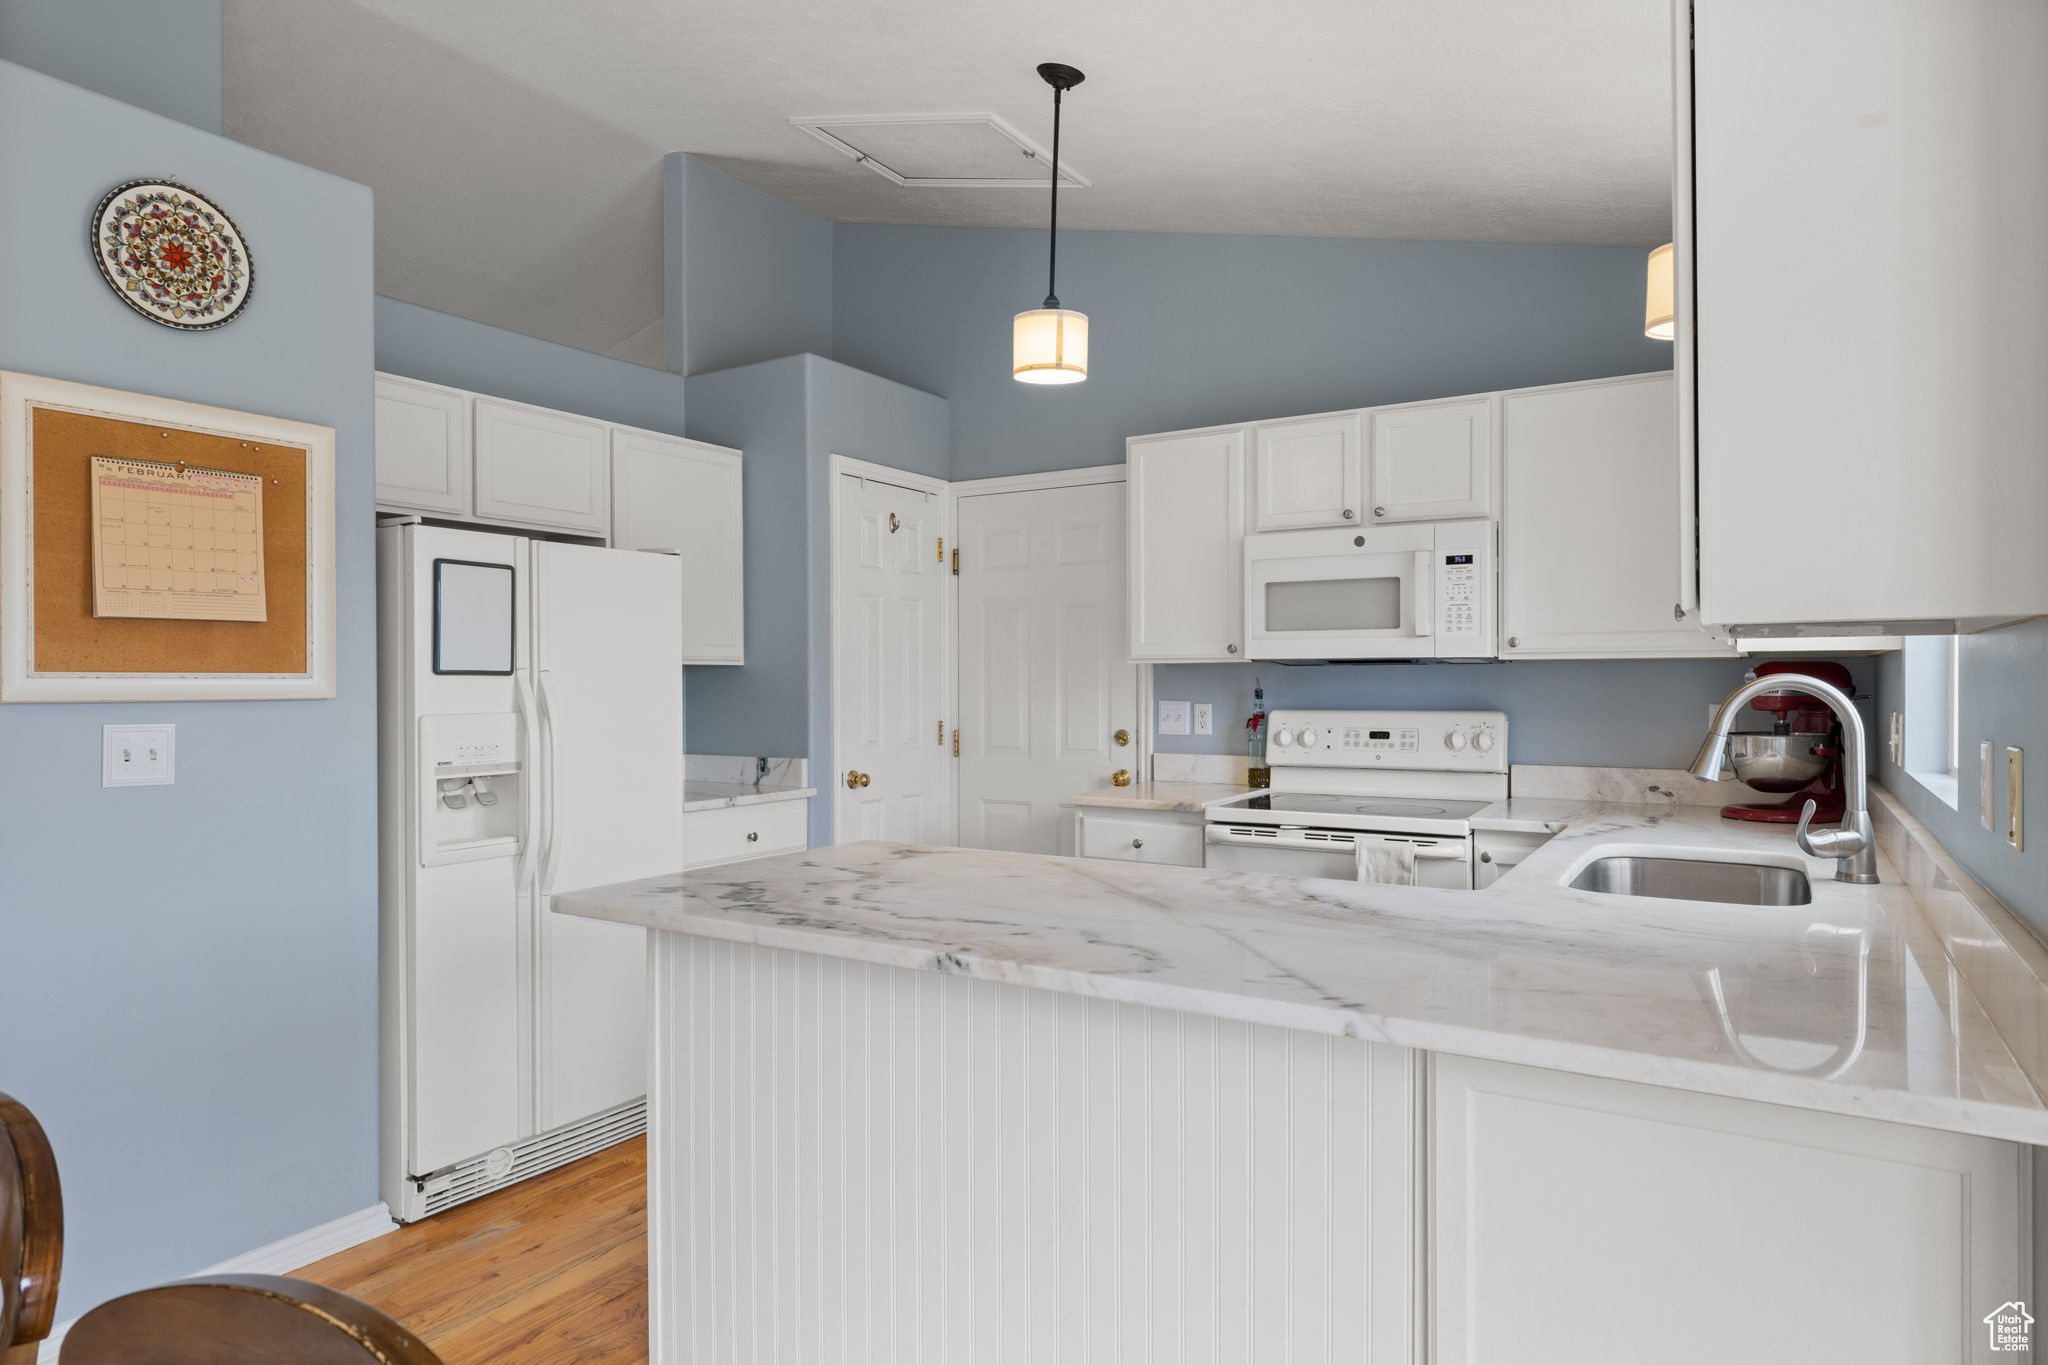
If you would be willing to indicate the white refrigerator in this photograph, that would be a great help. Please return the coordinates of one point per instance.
(530, 714)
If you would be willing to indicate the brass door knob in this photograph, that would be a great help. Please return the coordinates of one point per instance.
(1120, 778)
(853, 779)
(863, 779)
(1122, 737)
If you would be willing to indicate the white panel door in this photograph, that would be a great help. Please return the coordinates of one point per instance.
(1586, 559)
(685, 498)
(1308, 472)
(542, 468)
(1187, 519)
(608, 666)
(1780, 1236)
(889, 664)
(1046, 680)
(422, 447)
(1432, 461)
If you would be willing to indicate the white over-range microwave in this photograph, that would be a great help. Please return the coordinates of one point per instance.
(1421, 591)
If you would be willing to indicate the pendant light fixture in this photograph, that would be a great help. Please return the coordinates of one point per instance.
(1660, 291)
(1049, 344)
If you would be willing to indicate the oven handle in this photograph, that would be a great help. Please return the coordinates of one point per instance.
(1242, 836)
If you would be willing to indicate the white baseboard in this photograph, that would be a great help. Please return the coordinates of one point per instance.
(281, 1257)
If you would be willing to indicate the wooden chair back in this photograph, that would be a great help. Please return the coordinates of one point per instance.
(31, 1233)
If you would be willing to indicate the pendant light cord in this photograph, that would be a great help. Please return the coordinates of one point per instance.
(1052, 259)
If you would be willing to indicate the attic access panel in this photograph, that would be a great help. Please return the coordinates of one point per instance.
(942, 151)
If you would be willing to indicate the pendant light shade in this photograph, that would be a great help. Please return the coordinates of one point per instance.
(1049, 344)
(1660, 313)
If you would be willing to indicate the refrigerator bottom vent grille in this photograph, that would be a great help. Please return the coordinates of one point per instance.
(467, 1180)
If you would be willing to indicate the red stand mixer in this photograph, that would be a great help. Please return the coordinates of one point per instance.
(1801, 753)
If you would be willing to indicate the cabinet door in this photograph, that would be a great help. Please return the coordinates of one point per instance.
(1309, 472)
(1589, 475)
(1187, 496)
(422, 447)
(684, 498)
(1600, 1222)
(1432, 460)
(541, 468)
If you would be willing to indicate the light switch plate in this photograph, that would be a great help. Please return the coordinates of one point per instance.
(1987, 799)
(138, 755)
(1173, 718)
(1205, 718)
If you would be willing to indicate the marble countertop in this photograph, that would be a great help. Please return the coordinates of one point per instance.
(1848, 1004)
(700, 795)
(1185, 796)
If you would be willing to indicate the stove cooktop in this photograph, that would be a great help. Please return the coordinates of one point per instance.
(1395, 814)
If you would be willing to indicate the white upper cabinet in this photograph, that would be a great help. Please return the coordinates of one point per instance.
(422, 447)
(1187, 523)
(1309, 471)
(1589, 473)
(1432, 461)
(684, 498)
(537, 467)
(1871, 414)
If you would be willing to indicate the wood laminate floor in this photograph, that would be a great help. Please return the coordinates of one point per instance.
(550, 1271)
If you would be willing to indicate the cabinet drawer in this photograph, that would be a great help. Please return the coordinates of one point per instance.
(729, 834)
(1175, 843)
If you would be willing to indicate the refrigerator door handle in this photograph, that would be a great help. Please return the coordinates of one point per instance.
(547, 731)
(529, 841)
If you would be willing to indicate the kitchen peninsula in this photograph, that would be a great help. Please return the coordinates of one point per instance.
(967, 1106)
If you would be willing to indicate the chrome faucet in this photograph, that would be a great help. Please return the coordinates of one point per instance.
(1853, 843)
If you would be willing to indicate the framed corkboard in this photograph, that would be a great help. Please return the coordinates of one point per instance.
(53, 647)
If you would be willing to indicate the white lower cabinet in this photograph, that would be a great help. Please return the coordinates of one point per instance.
(1500, 852)
(731, 834)
(685, 498)
(1589, 530)
(1170, 838)
(1595, 1222)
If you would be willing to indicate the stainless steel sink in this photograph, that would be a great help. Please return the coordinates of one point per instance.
(1695, 879)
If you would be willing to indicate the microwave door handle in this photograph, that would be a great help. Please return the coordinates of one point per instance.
(1425, 594)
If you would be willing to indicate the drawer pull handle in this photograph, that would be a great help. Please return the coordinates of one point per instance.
(753, 836)
(1137, 843)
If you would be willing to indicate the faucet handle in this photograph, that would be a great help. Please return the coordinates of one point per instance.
(1805, 819)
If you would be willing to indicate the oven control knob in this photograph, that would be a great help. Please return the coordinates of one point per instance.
(1454, 740)
(1307, 738)
(1482, 740)
(1282, 739)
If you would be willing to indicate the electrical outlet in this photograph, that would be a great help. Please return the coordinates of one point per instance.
(1173, 718)
(1987, 801)
(137, 755)
(1205, 718)
(1898, 740)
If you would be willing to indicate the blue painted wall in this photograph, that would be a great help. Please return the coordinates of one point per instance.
(1188, 329)
(1632, 713)
(2004, 676)
(791, 416)
(160, 55)
(441, 348)
(199, 1037)
(756, 276)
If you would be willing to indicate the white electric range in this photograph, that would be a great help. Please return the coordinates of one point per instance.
(1385, 795)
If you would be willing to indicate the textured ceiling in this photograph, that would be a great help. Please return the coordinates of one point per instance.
(514, 145)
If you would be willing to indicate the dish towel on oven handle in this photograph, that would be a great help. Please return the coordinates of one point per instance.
(1388, 862)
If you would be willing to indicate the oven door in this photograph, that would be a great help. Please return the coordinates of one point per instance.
(1340, 594)
(1440, 861)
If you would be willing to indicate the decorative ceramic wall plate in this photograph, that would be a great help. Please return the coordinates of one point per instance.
(172, 255)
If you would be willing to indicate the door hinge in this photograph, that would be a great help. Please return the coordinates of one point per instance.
(956, 744)
(942, 730)
(942, 550)
(956, 560)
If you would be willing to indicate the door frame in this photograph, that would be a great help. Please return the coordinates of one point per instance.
(869, 471)
(1141, 743)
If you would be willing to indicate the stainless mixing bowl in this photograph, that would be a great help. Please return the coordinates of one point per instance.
(1776, 763)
